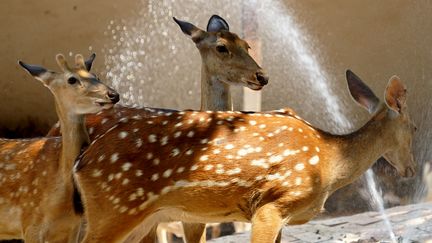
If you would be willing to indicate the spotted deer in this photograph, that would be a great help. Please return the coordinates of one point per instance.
(225, 61)
(38, 200)
(269, 169)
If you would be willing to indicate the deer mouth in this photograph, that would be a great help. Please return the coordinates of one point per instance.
(254, 86)
(105, 104)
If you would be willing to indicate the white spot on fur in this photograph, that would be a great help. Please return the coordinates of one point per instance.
(164, 140)
(305, 148)
(289, 152)
(102, 157)
(299, 166)
(152, 138)
(233, 171)
(175, 152)
(204, 158)
(275, 159)
(138, 142)
(122, 134)
(314, 160)
(298, 181)
(167, 173)
(138, 173)
(155, 177)
(229, 146)
(114, 157)
(190, 134)
(126, 166)
(189, 152)
(194, 167)
(97, 173)
(260, 163)
(180, 169)
(208, 167)
(156, 161)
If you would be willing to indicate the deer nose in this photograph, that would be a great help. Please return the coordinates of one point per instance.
(262, 78)
(113, 96)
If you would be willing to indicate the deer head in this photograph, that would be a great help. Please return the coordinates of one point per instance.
(395, 110)
(82, 92)
(225, 54)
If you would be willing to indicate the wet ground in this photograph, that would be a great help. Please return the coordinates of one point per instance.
(412, 223)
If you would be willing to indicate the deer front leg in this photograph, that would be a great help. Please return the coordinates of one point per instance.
(266, 224)
(194, 232)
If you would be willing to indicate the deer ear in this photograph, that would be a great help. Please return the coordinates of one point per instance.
(194, 32)
(395, 94)
(216, 24)
(37, 72)
(361, 93)
(89, 62)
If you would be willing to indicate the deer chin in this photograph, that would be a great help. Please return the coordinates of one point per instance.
(404, 171)
(104, 104)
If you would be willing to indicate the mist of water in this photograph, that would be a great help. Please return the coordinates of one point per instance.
(280, 25)
(378, 203)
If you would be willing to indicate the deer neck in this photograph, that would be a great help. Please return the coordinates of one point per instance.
(360, 149)
(74, 136)
(215, 94)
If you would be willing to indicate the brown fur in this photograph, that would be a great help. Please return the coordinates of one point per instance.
(238, 169)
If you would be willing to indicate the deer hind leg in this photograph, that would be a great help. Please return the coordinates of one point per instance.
(194, 232)
(266, 224)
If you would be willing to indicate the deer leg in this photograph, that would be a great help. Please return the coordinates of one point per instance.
(279, 237)
(151, 236)
(266, 224)
(194, 232)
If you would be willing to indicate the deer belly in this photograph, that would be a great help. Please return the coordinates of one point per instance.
(195, 216)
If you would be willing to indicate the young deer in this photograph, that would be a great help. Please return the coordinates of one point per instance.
(37, 195)
(269, 169)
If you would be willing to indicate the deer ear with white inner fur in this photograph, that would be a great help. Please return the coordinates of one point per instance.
(361, 93)
(216, 24)
(395, 94)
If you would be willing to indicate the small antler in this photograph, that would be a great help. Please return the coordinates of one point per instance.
(61, 61)
(79, 62)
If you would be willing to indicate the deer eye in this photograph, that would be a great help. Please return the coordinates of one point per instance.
(221, 49)
(72, 80)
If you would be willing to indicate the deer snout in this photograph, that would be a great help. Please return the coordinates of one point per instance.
(262, 78)
(113, 96)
